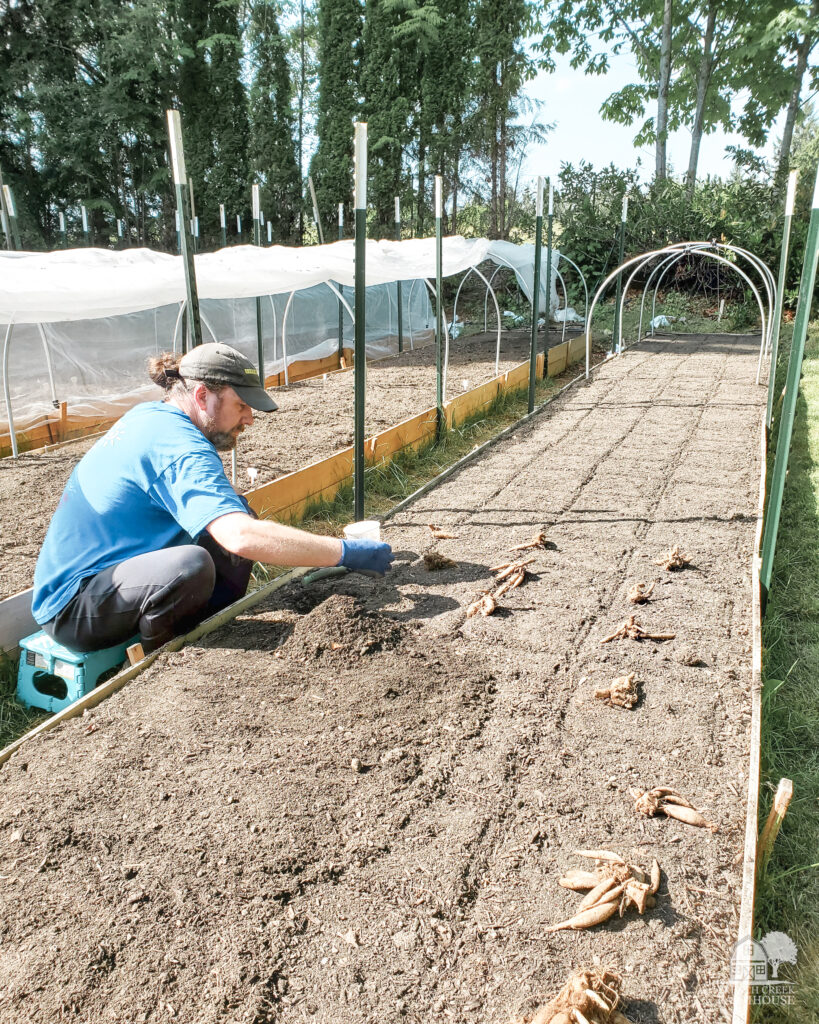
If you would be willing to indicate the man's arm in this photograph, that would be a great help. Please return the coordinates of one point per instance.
(262, 540)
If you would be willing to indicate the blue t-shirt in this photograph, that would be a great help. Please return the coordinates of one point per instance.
(154, 481)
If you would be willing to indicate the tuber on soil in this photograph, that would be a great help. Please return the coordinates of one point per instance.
(440, 534)
(639, 593)
(673, 559)
(614, 886)
(539, 540)
(632, 630)
(671, 804)
(588, 997)
(510, 575)
(434, 561)
(622, 692)
(484, 605)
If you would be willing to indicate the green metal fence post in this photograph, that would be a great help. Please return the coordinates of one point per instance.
(615, 337)
(536, 292)
(180, 182)
(340, 288)
(548, 311)
(360, 305)
(783, 446)
(399, 298)
(439, 307)
(257, 241)
(223, 224)
(790, 200)
(194, 220)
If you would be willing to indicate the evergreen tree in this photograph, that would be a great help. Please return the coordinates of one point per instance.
(387, 99)
(195, 99)
(227, 179)
(447, 97)
(339, 42)
(502, 68)
(272, 149)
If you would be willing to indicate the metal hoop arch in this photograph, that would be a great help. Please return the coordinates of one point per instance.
(646, 257)
(474, 270)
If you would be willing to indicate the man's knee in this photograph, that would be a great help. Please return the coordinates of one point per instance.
(192, 568)
(199, 569)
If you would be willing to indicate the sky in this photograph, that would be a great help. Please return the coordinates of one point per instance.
(572, 101)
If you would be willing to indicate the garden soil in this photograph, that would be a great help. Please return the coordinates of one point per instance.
(314, 420)
(352, 804)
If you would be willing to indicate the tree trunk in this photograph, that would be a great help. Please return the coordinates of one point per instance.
(662, 93)
(703, 81)
(802, 54)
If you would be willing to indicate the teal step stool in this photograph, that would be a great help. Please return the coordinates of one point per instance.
(51, 676)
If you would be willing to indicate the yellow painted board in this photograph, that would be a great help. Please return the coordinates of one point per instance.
(577, 348)
(403, 435)
(459, 408)
(557, 359)
(302, 483)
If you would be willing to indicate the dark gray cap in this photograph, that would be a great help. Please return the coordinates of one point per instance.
(216, 363)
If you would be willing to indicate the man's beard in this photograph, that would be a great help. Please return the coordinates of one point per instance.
(222, 440)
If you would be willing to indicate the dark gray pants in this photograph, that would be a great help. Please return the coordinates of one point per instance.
(158, 595)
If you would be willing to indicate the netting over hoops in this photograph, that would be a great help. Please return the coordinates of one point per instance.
(80, 323)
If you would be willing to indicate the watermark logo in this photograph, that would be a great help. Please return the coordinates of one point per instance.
(757, 962)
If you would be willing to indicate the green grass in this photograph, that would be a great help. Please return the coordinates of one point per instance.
(14, 718)
(788, 894)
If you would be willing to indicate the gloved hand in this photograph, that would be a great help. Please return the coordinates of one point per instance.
(369, 556)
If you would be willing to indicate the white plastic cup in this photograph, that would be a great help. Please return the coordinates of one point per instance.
(367, 529)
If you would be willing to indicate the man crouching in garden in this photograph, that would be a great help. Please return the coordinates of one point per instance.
(149, 536)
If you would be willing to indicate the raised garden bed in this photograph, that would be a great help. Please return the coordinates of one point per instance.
(315, 419)
(354, 803)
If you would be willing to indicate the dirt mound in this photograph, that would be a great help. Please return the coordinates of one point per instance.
(341, 630)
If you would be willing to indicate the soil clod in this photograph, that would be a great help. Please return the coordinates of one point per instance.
(435, 561)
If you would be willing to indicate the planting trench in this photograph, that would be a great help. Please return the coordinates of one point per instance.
(314, 420)
(353, 804)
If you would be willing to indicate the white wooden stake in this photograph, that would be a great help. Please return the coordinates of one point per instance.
(360, 165)
(178, 171)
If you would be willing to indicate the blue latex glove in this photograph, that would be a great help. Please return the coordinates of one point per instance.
(368, 556)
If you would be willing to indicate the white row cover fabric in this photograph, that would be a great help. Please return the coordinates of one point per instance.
(98, 365)
(84, 284)
(85, 320)
(521, 259)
